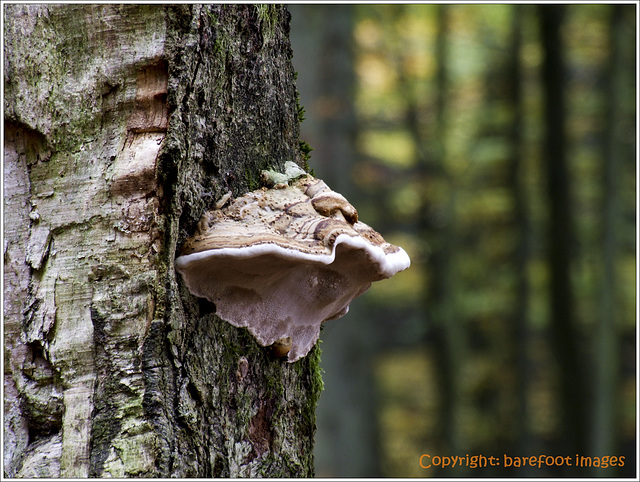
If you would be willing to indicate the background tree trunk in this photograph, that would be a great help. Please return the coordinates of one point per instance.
(561, 233)
(123, 123)
(520, 333)
(449, 333)
(606, 343)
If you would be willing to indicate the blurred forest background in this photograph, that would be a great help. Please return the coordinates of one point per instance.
(497, 145)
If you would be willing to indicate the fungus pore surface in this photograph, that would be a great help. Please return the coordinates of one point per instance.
(281, 261)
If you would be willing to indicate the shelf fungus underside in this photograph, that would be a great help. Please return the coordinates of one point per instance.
(281, 261)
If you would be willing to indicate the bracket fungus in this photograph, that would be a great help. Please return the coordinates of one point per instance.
(281, 261)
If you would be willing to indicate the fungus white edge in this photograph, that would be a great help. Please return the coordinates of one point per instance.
(389, 264)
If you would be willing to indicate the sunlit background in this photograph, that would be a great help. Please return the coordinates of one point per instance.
(496, 144)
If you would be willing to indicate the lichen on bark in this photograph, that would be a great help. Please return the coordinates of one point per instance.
(123, 123)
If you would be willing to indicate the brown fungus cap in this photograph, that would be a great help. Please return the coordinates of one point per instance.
(281, 261)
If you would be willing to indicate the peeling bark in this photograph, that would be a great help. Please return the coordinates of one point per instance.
(123, 123)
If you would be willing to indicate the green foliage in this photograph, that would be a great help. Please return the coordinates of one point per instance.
(299, 108)
(306, 149)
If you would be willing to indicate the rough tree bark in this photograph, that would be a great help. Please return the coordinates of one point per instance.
(123, 123)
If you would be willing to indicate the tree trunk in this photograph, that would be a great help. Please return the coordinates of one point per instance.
(450, 344)
(123, 123)
(519, 332)
(607, 346)
(560, 234)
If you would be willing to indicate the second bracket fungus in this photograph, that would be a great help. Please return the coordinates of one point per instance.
(281, 261)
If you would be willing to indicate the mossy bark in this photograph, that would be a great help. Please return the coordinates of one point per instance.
(122, 125)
